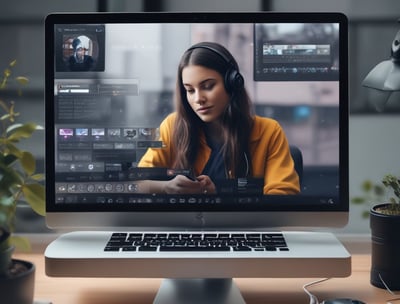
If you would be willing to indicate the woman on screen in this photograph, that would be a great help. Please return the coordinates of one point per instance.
(213, 134)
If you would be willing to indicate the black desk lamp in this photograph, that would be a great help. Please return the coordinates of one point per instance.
(384, 78)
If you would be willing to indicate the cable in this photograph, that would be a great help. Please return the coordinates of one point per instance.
(313, 298)
(389, 290)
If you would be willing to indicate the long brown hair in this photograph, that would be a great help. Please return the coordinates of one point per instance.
(236, 121)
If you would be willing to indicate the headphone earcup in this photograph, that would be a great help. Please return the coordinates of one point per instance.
(233, 80)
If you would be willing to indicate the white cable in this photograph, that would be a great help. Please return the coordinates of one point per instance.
(313, 298)
(389, 290)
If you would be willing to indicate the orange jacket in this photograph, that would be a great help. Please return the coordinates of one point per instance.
(269, 151)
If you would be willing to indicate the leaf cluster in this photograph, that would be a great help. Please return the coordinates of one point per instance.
(18, 178)
(387, 191)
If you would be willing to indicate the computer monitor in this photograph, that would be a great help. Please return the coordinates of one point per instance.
(112, 82)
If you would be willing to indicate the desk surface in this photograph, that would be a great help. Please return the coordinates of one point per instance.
(124, 291)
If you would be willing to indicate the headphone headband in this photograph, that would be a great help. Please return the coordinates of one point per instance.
(214, 50)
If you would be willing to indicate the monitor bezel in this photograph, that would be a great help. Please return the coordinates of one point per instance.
(259, 215)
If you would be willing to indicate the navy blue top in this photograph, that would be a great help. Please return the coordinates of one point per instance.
(215, 167)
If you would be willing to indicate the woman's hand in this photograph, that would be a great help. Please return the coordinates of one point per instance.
(181, 184)
(207, 184)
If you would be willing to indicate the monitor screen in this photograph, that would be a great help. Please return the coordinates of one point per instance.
(196, 120)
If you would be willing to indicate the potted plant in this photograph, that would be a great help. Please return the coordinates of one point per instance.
(18, 182)
(385, 227)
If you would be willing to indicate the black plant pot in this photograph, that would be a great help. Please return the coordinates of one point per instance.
(385, 261)
(18, 288)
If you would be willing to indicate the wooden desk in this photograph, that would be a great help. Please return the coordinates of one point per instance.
(132, 291)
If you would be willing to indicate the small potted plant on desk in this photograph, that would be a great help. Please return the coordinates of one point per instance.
(18, 182)
(385, 228)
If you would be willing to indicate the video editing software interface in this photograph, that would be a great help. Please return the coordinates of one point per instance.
(114, 84)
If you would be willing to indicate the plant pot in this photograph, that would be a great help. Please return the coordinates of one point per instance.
(18, 288)
(385, 262)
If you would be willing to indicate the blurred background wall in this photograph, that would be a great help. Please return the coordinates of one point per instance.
(374, 137)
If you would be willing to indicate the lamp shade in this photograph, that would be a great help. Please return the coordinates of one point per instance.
(385, 76)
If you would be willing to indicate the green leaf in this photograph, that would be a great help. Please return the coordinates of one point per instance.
(28, 162)
(13, 150)
(6, 200)
(22, 80)
(366, 186)
(3, 221)
(5, 117)
(7, 73)
(10, 178)
(35, 196)
(365, 214)
(38, 177)
(21, 131)
(21, 243)
(358, 200)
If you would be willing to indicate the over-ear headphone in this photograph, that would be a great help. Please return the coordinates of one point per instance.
(233, 80)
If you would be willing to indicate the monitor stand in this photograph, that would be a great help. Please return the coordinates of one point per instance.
(198, 291)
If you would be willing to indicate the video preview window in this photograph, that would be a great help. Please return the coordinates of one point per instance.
(80, 48)
(296, 52)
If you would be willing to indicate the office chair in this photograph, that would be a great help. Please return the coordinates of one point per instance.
(298, 161)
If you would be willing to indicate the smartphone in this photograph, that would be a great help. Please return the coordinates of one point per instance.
(185, 172)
